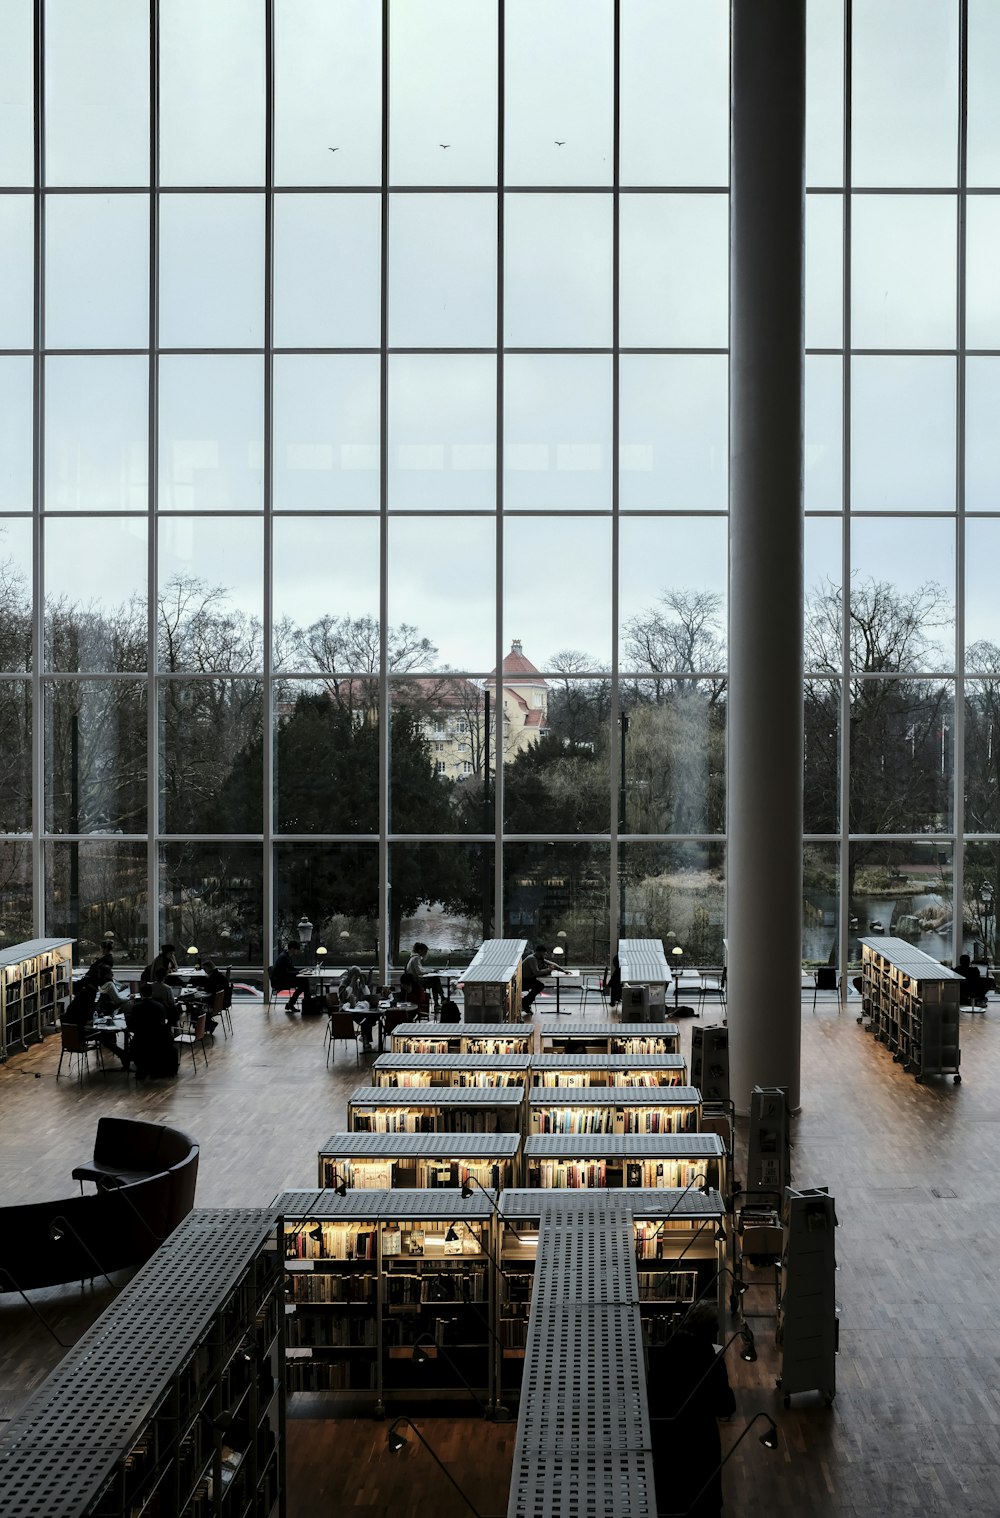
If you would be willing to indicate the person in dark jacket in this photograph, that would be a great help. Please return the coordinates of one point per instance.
(284, 977)
(688, 1390)
(152, 1049)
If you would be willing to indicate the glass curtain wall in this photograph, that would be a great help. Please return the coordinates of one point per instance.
(363, 473)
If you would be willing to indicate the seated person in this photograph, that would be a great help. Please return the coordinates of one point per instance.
(153, 1051)
(533, 966)
(159, 991)
(165, 960)
(82, 1005)
(109, 998)
(284, 977)
(977, 985)
(212, 982)
(407, 991)
(355, 993)
(421, 982)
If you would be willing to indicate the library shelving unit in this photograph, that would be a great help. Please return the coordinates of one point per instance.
(436, 1109)
(807, 1313)
(645, 977)
(425, 1161)
(173, 1402)
(610, 1038)
(648, 1161)
(912, 1003)
(614, 1109)
(460, 1038)
(608, 1070)
(372, 1274)
(491, 986)
(411, 1070)
(35, 982)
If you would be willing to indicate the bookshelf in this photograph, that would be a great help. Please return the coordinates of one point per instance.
(610, 1038)
(35, 983)
(578, 1070)
(645, 977)
(614, 1109)
(460, 1038)
(912, 1004)
(680, 1255)
(438, 1109)
(644, 1161)
(173, 1401)
(408, 1070)
(422, 1161)
(808, 1327)
(491, 986)
(370, 1274)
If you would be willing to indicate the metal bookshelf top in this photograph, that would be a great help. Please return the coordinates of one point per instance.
(438, 1096)
(461, 1030)
(573, 1061)
(643, 1202)
(471, 1062)
(459, 1146)
(910, 961)
(613, 1096)
(643, 961)
(496, 961)
(553, 1029)
(61, 1450)
(637, 1146)
(384, 1206)
(28, 950)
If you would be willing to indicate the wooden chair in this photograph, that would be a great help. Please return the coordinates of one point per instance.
(75, 1042)
(196, 1035)
(342, 1026)
(217, 1011)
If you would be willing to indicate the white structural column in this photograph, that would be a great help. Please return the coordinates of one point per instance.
(767, 220)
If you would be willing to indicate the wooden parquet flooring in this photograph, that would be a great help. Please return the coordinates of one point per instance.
(915, 1171)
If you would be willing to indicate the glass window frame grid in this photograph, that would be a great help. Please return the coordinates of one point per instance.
(960, 192)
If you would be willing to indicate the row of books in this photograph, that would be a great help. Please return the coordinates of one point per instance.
(668, 1285)
(598, 1078)
(343, 1331)
(559, 1174)
(336, 1241)
(311, 1287)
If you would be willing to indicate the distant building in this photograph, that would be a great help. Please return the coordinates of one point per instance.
(525, 700)
(455, 727)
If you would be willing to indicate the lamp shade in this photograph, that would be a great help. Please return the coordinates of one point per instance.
(320, 950)
(192, 948)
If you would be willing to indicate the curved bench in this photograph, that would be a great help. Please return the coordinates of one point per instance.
(139, 1202)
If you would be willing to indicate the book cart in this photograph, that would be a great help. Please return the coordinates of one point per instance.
(460, 1038)
(610, 1038)
(173, 1401)
(35, 983)
(614, 1109)
(491, 986)
(912, 1005)
(390, 1295)
(450, 1070)
(645, 977)
(425, 1161)
(435, 1109)
(648, 1161)
(608, 1070)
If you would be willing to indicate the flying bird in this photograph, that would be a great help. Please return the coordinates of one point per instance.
(333, 150)
(560, 144)
(444, 144)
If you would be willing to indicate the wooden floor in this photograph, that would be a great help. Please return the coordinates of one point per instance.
(915, 1171)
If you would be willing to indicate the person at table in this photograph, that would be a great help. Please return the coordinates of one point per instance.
(109, 998)
(211, 983)
(284, 977)
(354, 993)
(421, 982)
(152, 1049)
(976, 983)
(533, 966)
(165, 960)
(82, 1005)
(158, 990)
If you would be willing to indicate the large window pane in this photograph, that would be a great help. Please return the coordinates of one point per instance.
(17, 122)
(96, 621)
(674, 289)
(553, 888)
(557, 432)
(326, 432)
(672, 592)
(675, 892)
(16, 901)
(904, 127)
(821, 797)
(824, 92)
(673, 411)
(210, 597)
(983, 302)
(16, 593)
(979, 922)
(820, 904)
(903, 434)
(15, 760)
(441, 592)
(96, 434)
(441, 895)
(562, 617)
(335, 886)
(674, 92)
(96, 93)
(903, 271)
(558, 92)
(211, 433)
(328, 92)
(327, 271)
(212, 92)
(442, 271)
(17, 277)
(443, 92)
(983, 98)
(211, 271)
(97, 271)
(902, 595)
(982, 441)
(442, 432)
(16, 409)
(673, 751)
(982, 755)
(555, 753)
(824, 277)
(982, 635)
(904, 889)
(325, 594)
(902, 749)
(211, 756)
(823, 482)
(326, 756)
(96, 888)
(824, 605)
(211, 897)
(95, 756)
(442, 756)
(557, 271)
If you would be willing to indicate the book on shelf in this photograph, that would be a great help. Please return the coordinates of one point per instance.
(413, 1241)
(392, 1239)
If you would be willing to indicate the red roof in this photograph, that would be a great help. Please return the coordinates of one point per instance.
(516, 664)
